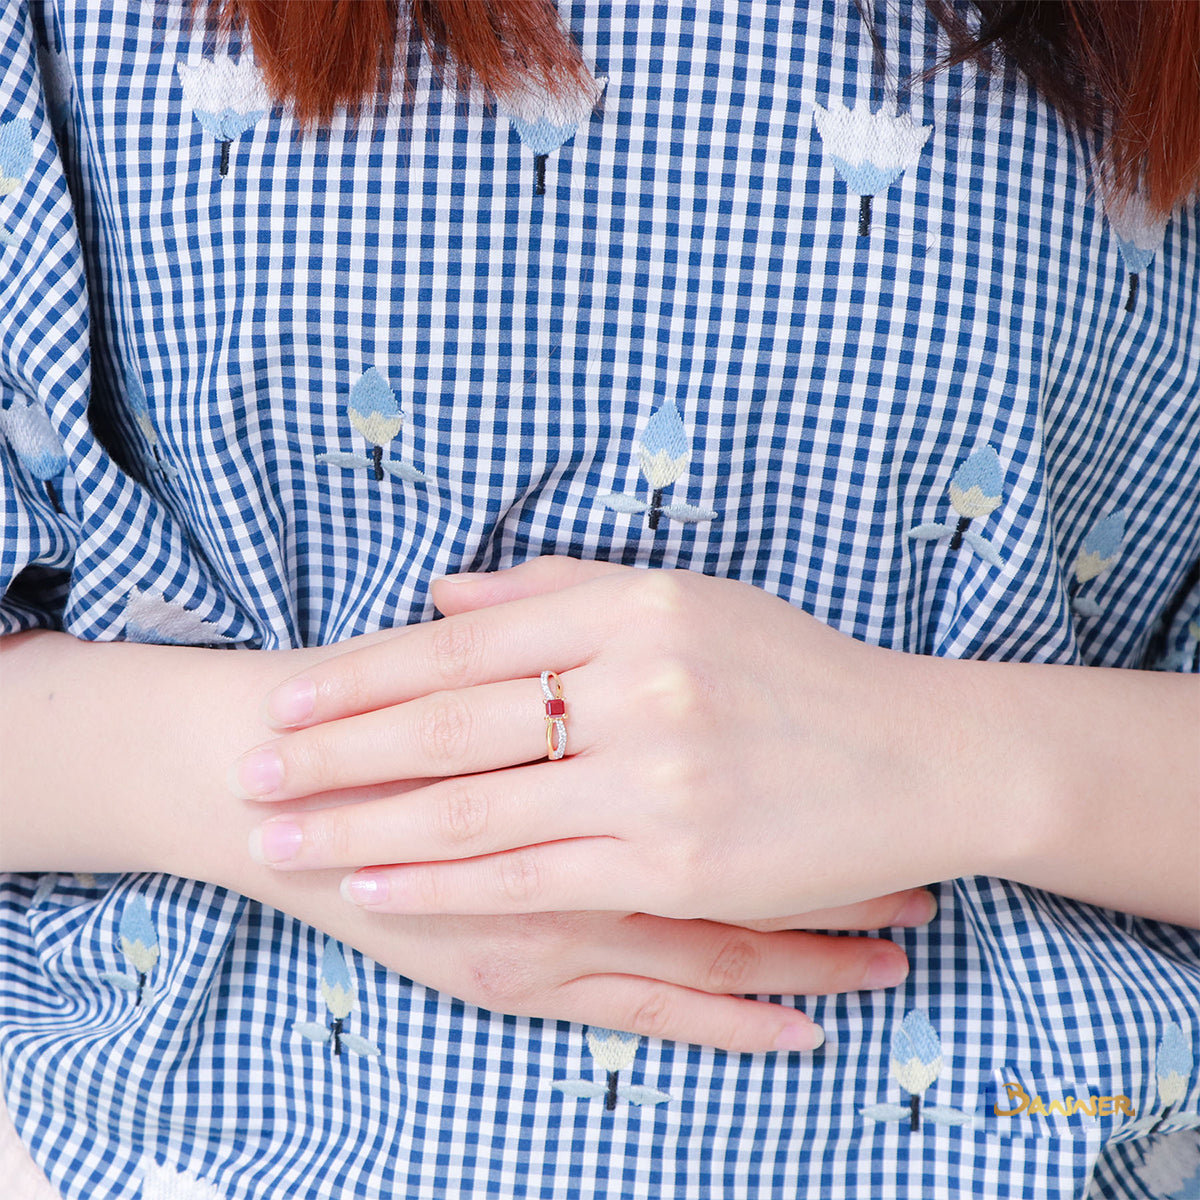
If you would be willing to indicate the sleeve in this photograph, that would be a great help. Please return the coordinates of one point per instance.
(43, 342)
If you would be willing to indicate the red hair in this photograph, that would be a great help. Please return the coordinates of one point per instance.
(1125, 70)
(320, 56)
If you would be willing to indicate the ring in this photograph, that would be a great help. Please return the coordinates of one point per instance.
(556, 716)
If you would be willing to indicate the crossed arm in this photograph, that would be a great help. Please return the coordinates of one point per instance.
(732, 763)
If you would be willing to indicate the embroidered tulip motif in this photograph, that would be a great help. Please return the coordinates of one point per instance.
(135, 396)
(227, 98)
(544, 122)
(663, 455)
(915, 1062)
(340, 995)
(869, 150)
(1170, 1168)
(28, 431)
(1139, 233)
(139, 944)
(976, 490)
(1173, 1068)
(374, 412)
(150, 617)
(1101, 549)
(16, 153)
(16, 157)
(168, 1183)
(614, 1051)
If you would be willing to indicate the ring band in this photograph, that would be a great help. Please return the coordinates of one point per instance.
(556, 716)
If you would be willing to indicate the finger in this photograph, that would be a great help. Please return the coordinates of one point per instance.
(663, 1010)
(509, 641)
(550, 573)
(714, 957)
(562, 876)
(916, 906)
(451, 819)
(440, 735)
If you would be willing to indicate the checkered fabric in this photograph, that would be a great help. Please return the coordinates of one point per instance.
(778, 311)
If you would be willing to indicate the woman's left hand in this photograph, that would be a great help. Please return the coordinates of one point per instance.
(728, 756)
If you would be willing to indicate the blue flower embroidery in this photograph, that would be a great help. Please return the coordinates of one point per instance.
(339, 993)
(375, 413)
(1173, 1068)
(16, 157)
(139, 944)
(135, 396)
(614, 1051)
(16, 153)
(28, 431)
(545, 122)
(915, 1062)
(227, 98)
(1101, 549)
(1139, 233)
(869, 150)
(976, 490)
(663, 455)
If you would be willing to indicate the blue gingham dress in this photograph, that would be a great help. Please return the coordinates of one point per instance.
(772, 313)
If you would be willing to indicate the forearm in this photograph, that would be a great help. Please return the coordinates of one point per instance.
(1085, 781)
(114, 755)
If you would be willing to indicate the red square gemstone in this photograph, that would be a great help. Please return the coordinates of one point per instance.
(556, 708)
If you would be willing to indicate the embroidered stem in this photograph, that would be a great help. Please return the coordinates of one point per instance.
(956, 540)
(377, 462)
(864, 216)
(1133, 291)
(336, 1027)
(141, 987)
(655, 507)
(224, 159)
(1166, 1112)
(610, 1097)
(539, 174)
(915, 1105)
(53, 496)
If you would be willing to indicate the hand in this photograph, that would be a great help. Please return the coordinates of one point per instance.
(682, 980)
(729, 756)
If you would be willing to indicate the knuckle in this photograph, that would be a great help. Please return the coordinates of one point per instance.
(503, 978)
(462, 816)
(457, 650)
(354, 688)
(331, 837)
(652, 1018)
(520, 882)
(442, 729)
(732, 966)
(311, 763)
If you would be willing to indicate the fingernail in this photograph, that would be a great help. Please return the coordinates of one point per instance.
(292, 702)
(259, 773)
(800, 1037)
(364, 889)
(462, 577)
(275, 842)
(886, 970)
(920, 910)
